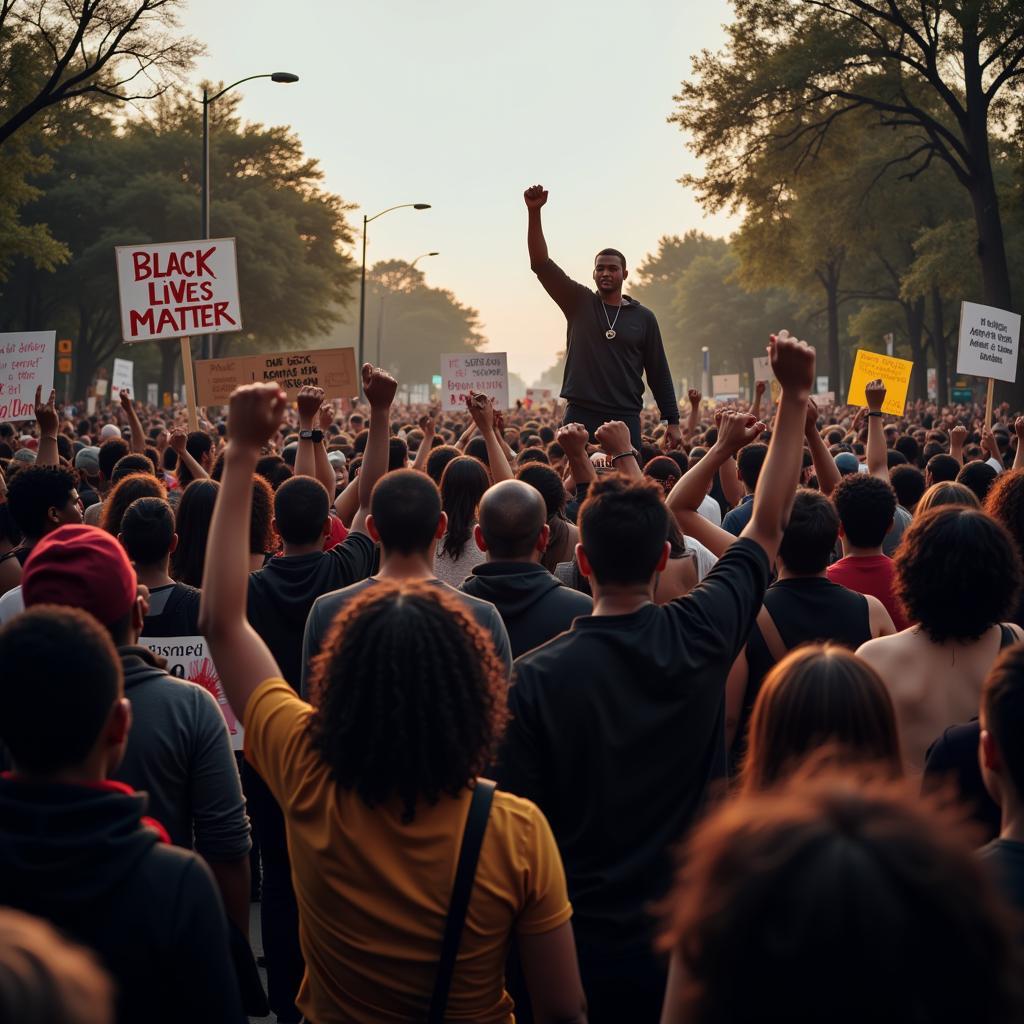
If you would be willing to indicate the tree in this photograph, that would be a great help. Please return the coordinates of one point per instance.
(139, 183)
(942, 73)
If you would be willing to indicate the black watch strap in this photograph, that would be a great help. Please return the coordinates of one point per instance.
(316, 436)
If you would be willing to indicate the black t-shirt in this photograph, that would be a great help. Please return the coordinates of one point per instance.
(283, 591)
(173, 611)
(604, 374)
(618, 728)
(1006, 858)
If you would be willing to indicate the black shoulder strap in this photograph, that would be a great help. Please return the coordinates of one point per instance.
(469, 854)
(1007, 637)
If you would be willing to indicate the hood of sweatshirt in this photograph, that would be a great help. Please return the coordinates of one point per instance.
(512, 587)
(69, 845)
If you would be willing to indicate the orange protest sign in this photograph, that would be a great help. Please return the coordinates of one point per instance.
(893, 372)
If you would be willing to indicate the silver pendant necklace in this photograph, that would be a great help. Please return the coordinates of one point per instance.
(610, 333)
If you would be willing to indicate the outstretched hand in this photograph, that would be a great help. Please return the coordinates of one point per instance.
(255, 412)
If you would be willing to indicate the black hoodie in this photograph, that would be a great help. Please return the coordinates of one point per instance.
(83, 858)
(534, 606)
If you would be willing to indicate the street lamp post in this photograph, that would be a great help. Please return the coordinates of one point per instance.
(283, 77)
(362, 277)
(380, 315)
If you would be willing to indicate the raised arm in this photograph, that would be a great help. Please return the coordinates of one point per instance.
(878, 459)
(482, 411)
(1018, 428)
(243, 659)
(379, 388)
(427, 425)
(735, 430)
(134, 424)
(179, 439)
(755, 409)
(535, 196)
(613, 437)
(573, 438)
(311, 457)
(793, 364)
(825, 468)
(957, 437)
(693, 422)
(48, 420)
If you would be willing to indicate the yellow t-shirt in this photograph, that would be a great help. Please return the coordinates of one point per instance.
(373, 892)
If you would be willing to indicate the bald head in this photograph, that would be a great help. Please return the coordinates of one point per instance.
(512, 516)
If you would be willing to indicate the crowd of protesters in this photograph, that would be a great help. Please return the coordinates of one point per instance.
(538, 724)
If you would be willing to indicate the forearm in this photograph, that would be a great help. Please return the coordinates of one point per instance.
(496, 459)
(956, 449)
(878, 459)
(693, 486)
(305, 457)
(234, 879)
(47, 454)
(422, 454)
(629, 467)
(324, 469)
(1018, 459)
(780, 474)
(582, 468)
(197, 471)
(375, 463)
(467, 435)
(732, 485)
(347, 503)
(755, 409)
(694, 420)
(825, 468)
(535, 241)
(138, 437)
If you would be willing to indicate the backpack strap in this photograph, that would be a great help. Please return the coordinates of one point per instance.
(469, 854)
(770, 634)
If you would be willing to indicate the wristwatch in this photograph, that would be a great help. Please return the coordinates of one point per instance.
(316, 436)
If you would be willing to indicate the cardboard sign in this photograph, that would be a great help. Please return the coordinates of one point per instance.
(333, 369)
(177, 289)
(895, 373)
(725, 385)
(988, 342)
(152, 394)
(26, 362)
(479, 371)
(823, 398)
(538, 394)
(188, 658)
(122, 379)
(762, 368)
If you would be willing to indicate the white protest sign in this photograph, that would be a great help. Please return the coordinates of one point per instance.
(90, 405)
(188, 657)
(825, 397)
(477, 371)
(152, 394)
(101, 387)
(725, 385)
(176, 289)
(822, 385)
(762, 369)
(26, 362)
(538, 395)
(988, 342)
(122, 379)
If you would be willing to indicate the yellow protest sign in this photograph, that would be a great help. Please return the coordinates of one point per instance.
(893, 372)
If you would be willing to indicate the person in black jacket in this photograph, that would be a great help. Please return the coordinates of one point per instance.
(75, 847)
(513, 531)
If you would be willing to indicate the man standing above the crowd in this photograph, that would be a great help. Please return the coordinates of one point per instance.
(618, 725)
(611, 340)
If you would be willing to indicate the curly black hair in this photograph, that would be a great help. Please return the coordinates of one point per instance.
(942, 551)
(410, 697)
(866, 507)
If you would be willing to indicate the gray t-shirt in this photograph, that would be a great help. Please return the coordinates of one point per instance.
(179, 752)
(325, 608)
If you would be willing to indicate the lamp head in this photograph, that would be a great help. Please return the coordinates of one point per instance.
(285, 77)
(421, 206)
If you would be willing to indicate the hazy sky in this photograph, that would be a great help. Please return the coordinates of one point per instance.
(464, 103)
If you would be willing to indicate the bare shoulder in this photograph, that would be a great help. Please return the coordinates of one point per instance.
(886, 651)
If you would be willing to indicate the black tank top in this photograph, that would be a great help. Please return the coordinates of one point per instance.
(806, 610)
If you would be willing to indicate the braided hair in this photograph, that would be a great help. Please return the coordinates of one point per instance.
(410, 696)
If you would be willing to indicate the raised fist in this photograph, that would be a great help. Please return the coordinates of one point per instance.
(536, 196)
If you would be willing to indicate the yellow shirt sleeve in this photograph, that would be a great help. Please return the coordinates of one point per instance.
(277, 740)
(546, 904)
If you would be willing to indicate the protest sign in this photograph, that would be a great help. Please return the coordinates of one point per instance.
(932, 383)
(122, 379)
(822, 385)
(152, 394)
(988, 342)
(100, 387)
(893, 372)
(481, 371)
(762, 368)
(823, 398)
(90, 405)
(26, 362)
(188, 657)
(725, 385)
(537, 395)
(333, 369)
(176, 289)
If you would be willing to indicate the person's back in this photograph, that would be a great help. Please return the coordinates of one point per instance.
(867, 510)
(78, 850)
(934, 670)
(514, 534)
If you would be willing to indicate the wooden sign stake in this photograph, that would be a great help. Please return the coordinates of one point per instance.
(988, 403)
(190, 383)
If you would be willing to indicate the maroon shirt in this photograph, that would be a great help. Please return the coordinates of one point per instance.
(874, 576)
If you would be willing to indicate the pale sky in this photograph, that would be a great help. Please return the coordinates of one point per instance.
(463, 104)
